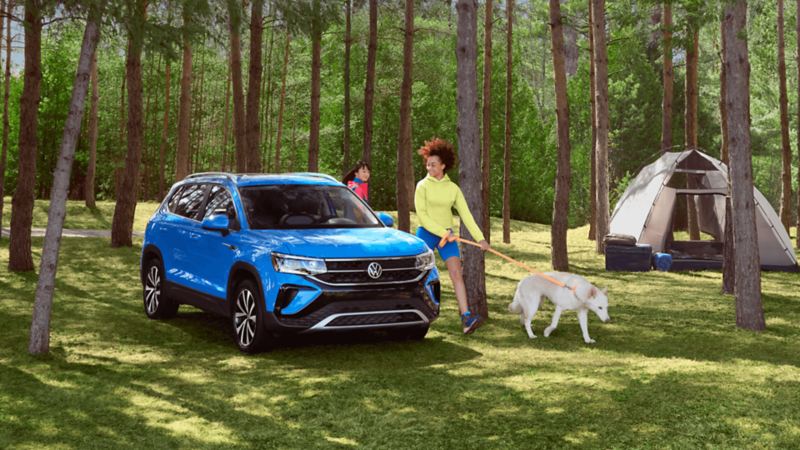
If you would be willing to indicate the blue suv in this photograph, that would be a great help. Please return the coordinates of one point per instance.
(282, 254)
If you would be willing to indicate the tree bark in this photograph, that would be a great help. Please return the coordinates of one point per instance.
(40, 325)
(239, 125)
(162, 149)
(348, 41)
(728, 263)
(369, 85)
(6, 87)
(797, 60)
(486, 147)
(182, 164)
(690, 124)
(89, 193)
(405, 170)
(267, 89)
(469, 145)
(122, 224)
(601, 121)
(509, 109)
(749, 313)
(19, 250)
(786, 153)
(592, 149)
(279, 135)
(226, 121)
(667, 75)
(313, 139)
(558, 232)
(254, 88)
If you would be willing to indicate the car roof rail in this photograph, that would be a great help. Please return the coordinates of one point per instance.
(227, 175)
(317, 175)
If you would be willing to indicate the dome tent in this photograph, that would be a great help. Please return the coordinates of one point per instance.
(647, 207)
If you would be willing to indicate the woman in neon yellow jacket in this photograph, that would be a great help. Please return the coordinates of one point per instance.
(434, 200)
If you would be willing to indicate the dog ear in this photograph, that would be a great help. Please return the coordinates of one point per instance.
(604, 291)
(593, 292)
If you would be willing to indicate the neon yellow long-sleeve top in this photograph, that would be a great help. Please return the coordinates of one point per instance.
(435, 199)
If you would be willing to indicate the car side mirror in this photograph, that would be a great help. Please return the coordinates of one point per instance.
(216, 222)
(386, 219)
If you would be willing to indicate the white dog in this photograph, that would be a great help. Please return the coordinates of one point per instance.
(583, 298)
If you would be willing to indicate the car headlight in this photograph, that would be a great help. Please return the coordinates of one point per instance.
(425, 261)
(298, 264)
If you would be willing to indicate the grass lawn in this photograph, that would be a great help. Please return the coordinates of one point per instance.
(670, 370)
(82, 218)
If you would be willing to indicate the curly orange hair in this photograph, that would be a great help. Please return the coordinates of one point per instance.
(441, 148)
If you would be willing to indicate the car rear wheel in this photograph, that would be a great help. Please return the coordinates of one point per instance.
(247, 318)
(156, 304)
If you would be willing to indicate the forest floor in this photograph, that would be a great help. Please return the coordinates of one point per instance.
(670, 370)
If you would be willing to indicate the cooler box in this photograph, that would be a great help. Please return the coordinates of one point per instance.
(628, 258)
(662, 261)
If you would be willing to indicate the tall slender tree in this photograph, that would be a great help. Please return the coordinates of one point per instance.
(601, 120)
(690, 115)
(728, 263)
(162, 148)
(348, 41)
(509, 109)
(19, 249)
(747, 289)
(558, 232)
(667, 76)
(592, 146)
(124, 210)
(786, 147)
(797, 59)
(254, 88)
(89, 193)
(486, 135)
(469, 144)
(8, 9)
(239, 125)
(405, 170)
(369, 84)
(182, 161)
(45, 287)
(281, 106)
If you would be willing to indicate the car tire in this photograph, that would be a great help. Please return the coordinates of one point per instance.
(247, 318)
(157, 305)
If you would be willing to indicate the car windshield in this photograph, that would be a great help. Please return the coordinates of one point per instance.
(305, 206)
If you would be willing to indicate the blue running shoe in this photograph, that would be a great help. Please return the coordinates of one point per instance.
(471, 322)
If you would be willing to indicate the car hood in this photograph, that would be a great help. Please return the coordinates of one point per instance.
(342, 242)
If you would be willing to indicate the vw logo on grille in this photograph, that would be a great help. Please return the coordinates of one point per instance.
(374, 270)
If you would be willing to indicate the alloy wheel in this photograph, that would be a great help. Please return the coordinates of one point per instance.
(152, 290)
(245, 317)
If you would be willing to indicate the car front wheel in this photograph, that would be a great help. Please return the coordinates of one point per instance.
(156, 304)
(247, 318)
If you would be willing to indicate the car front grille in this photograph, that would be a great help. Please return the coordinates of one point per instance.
(355, 272)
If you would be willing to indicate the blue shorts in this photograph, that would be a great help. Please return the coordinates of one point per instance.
(449, 250)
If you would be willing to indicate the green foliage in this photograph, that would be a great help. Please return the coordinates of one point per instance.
(670, 370)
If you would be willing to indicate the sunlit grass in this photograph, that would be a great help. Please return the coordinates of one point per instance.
(670, 370)
(80, 217)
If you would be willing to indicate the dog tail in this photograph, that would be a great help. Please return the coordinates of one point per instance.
(515, 307)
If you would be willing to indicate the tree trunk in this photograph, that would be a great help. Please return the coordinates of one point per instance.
(93, 121)
(797, 59)
(226, 121)
(239, 125)
(749, 313)
(122, 224)
(348, 41)
(369, 86)
(254, 89)
(267, 89)
(182, 165)
(40, 324)
(601, 121)
(593, 148)
(486, 147)
(558, 232)
(507, 143)
(19, 249)
(313, 139)
(405, 170)
(281, 106)
(469, 145)
(728, 264)
(690, 124)
(666, 103)
(162, 150)
(6, 87)
(786, 167)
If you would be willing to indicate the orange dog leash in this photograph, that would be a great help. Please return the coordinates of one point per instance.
(511, 260)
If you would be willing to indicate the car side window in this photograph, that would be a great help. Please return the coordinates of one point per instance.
(190, 199)
(220, 202)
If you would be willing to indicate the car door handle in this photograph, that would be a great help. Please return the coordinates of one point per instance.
(230, 246)
(194, 236)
